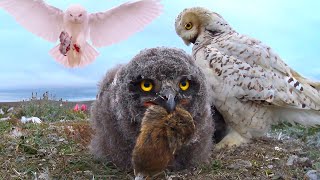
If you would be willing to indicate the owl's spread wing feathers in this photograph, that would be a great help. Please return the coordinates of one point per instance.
(255, 83)
(36, 16)
(120, 22)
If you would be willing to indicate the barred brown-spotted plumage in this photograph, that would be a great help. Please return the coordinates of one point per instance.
(262, 76)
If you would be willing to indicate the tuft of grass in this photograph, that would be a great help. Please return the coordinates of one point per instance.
(316, 166)
(56, 149)
(49, 110)
(213, 168)
(5, 127)
(296, 130)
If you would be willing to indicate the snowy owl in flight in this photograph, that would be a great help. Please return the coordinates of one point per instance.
(75, 26)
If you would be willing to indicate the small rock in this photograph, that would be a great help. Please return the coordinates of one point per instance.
(16, 132)
(1, 112)
(291, 160)
(20, 159)
(45, 174)
(312, 175)
(41, 152)
(278, 148)
(10, 109)
(5, 119)
(32, 119)
(240, 164)
(305, 162)
(277, 177)
(270, 166)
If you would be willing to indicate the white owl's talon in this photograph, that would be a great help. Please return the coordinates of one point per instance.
(232, 139)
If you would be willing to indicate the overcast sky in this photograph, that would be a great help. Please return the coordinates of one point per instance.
(290, 27)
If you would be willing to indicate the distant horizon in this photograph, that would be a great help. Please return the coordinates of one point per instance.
(55, 93)
(48, 87)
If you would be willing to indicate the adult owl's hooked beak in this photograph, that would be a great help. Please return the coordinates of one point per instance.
(168, 98)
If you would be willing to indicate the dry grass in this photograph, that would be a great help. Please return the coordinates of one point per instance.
(57, 150)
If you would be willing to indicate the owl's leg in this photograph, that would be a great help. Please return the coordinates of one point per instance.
(232, 139)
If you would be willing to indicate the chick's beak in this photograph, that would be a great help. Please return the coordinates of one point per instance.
(168, 99)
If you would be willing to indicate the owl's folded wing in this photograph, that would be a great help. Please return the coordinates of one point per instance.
(255, 83)
(36, 16)
(120, 22)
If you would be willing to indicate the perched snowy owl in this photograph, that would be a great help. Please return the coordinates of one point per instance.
(75, 26)
(251, 86)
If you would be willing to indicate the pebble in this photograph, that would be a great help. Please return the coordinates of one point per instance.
(10, 109)
(16, 132)
(5, 119)
(312, 175)
(240, 164)
(304, 161)
(31, 119)
(291, 160)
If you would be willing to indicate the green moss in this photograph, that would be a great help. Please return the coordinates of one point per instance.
(5, 127)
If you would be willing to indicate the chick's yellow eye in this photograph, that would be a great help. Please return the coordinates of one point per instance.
(184, 85)
(188, 26)
(146, 85)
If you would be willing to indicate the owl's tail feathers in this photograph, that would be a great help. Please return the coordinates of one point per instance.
(308, 118)
(303, 80)
(57, 56)
(89, 54)
(314, 84)
(86, 56)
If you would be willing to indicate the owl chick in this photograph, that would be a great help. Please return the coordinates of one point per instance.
(250, 85)
(164, 77)
(162, 134)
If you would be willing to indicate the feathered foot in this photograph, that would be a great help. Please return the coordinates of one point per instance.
(232, 139)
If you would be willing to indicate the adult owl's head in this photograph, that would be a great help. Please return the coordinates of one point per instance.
(193, 21)
(159, 76)
(76, 14)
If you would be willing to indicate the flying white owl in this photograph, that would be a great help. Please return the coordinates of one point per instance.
(75, 26)
(251, 86)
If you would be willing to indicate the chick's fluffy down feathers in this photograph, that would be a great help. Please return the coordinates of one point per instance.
(117, 113)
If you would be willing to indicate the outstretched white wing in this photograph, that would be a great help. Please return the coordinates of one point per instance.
(36, 16)
(122, 21)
